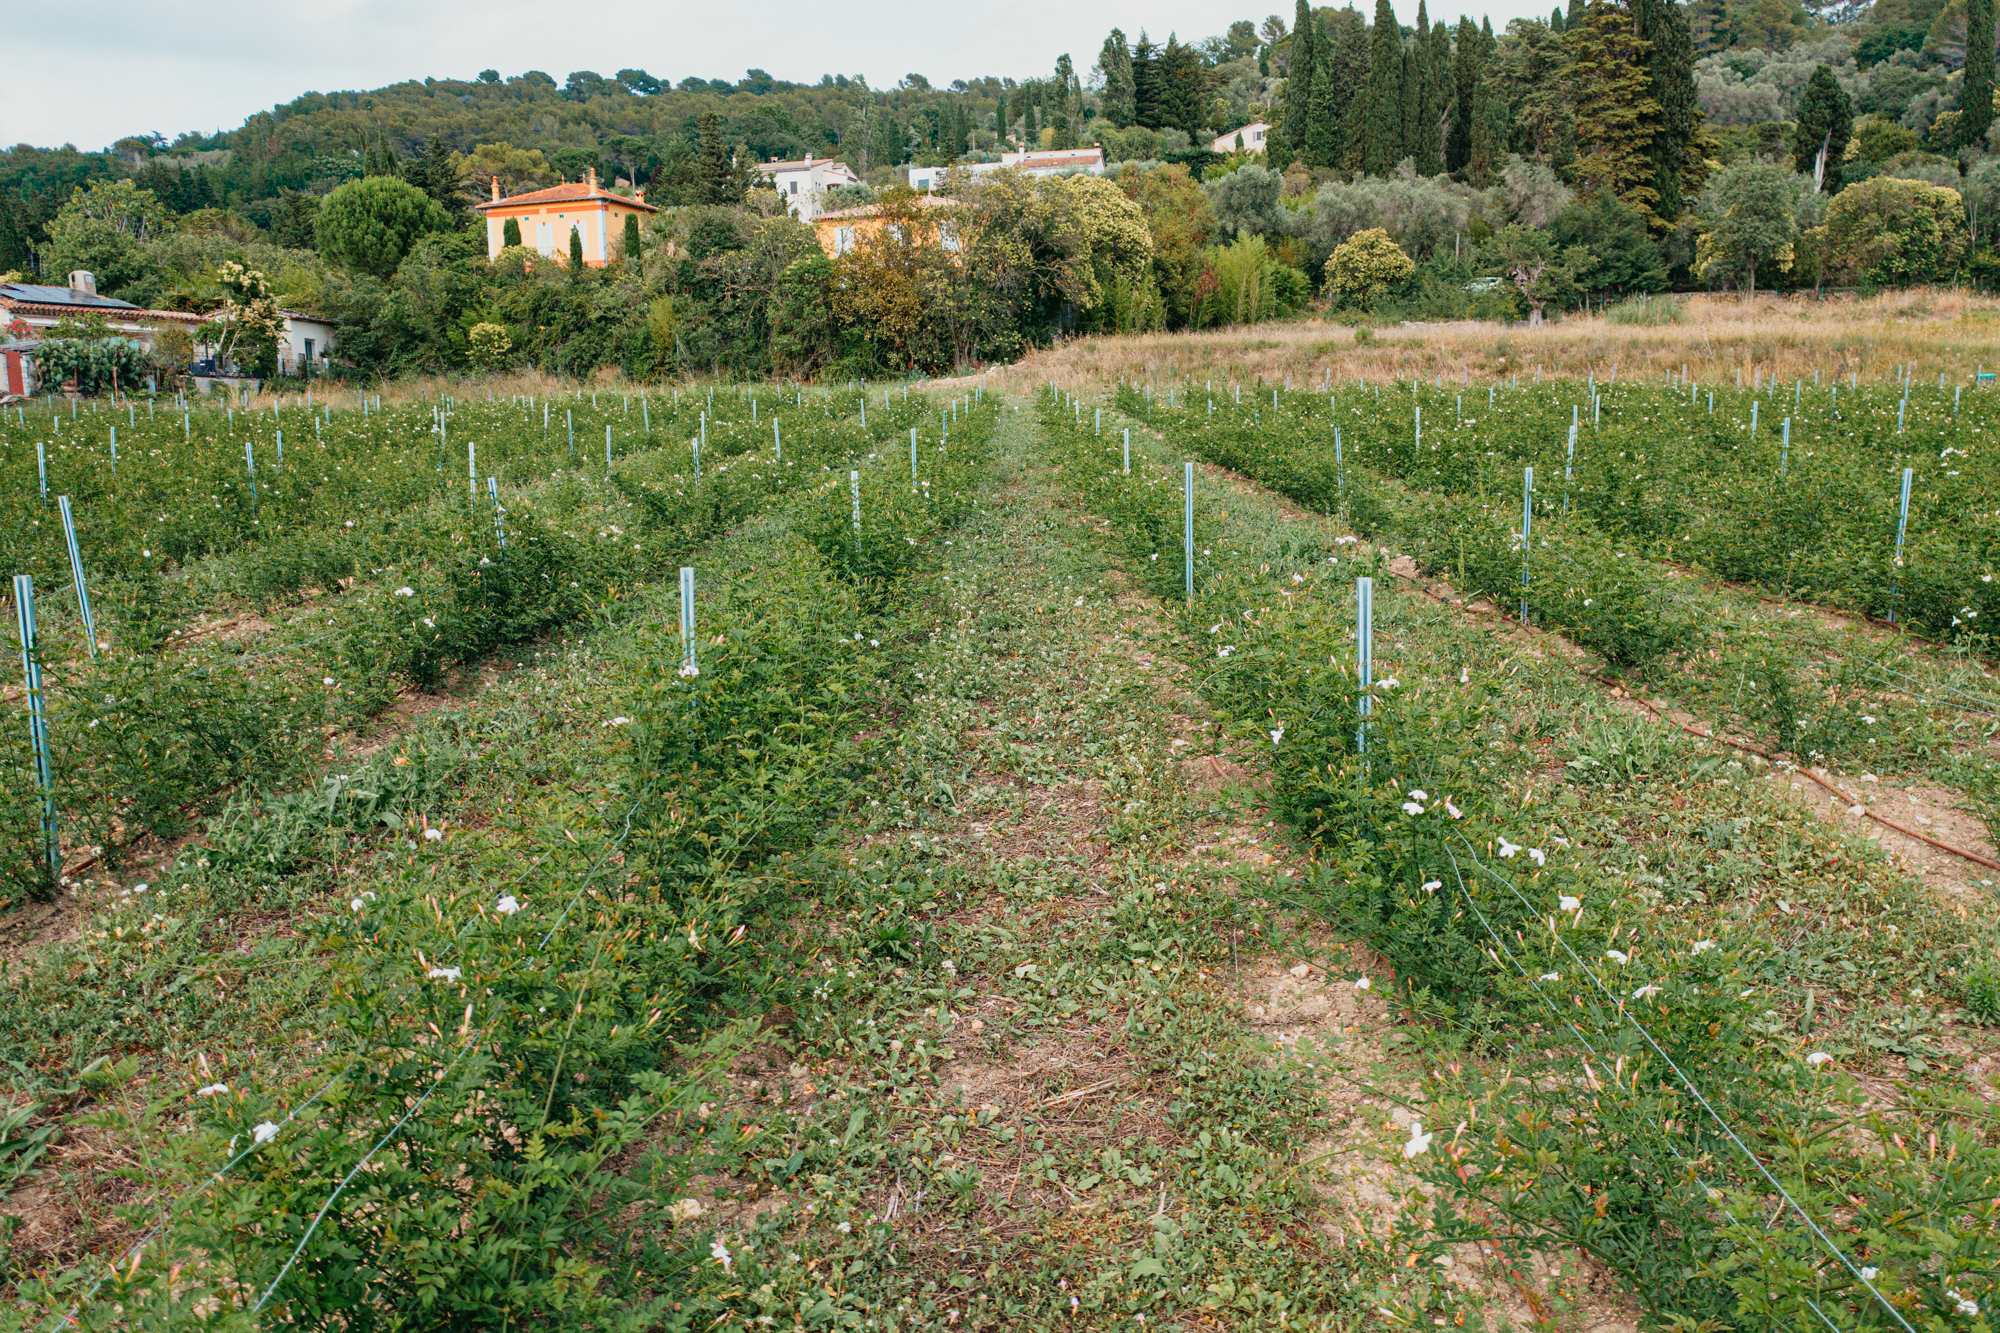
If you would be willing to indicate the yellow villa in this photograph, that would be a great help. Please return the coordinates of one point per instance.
(547, 217)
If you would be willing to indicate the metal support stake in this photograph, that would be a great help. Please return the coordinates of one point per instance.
(1187, 539)
(1902, 526)
(38, 725)
(1527, 532)
(1785, 448)
(688, 667)
(76, 573)
(499, 527)
(1364, 656)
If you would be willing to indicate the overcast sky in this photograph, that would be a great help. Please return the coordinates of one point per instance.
(89, 72)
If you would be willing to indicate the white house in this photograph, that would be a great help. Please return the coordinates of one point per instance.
(308, 339)
(29, 310)
(803, 184)
(1037, 162)
(1249, 139)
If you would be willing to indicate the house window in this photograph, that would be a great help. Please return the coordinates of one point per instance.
(795, 187)
(843, 240)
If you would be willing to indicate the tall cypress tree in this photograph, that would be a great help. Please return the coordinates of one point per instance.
(1975, 103)
(1826, 123)
(1346, 38)
(1556, 24)
(510, 232)
(1069, 97)
(1465, 77)
(1413, 99)
(576, 264)
(1492, 118)
(1323, 143)
(1000, 122)
(1438, 85)
(635, 249)
(1382, 135)
(1302, 63)
(1663, 25)
(1115, 60)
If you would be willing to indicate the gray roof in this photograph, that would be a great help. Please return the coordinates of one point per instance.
(38, 295)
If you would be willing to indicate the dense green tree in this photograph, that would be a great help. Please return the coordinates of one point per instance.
(718, 178)
(576, 264)
(435, 175)
(1068, 103)
(1302, 64)
(1678, 167)
(1628, 259)
(1615, 113)
(1976, 98)
(1436, 102)
(370, 224)
(1556, 19)
(1116, 100)
(1750, 212)
(1000, 121)
(634, 247)
(1184, 81)
(510, 232)
(1413, 99)
(1323, 142)
(1826, 123)
(1146, 87)
(1382, 130)
(1466, 68)
(1346, 37)
(292, 221)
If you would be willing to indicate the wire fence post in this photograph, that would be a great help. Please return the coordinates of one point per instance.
(1128, 451)
(1527, 531)
(913, 460)
(472, 468)
(1364, 656)
(1187, 538)
(607, 448)
(1902, 526)
(76, 573)
(777, 439)
(1785, 448)
(42, 467)
(38, 725)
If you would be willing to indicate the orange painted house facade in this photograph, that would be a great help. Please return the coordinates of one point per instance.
(546, 218)
(839, 233)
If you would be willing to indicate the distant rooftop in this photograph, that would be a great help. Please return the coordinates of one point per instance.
(35, 294)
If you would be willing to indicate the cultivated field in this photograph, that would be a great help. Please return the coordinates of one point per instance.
(971, 924)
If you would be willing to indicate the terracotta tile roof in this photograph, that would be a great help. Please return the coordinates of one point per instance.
(574, 192)
(871, 210)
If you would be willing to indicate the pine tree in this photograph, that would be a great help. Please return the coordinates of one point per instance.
(1115, 60)
(1323, 142)
(1826, 123)
(1465, 69)
(1975, 103)
(1556, 24)
(510, 232)
(635, 249)
(1663, 24)
(441, 182)
(1302, 64)
(1615, 113)
(1184, 85)
(1383, 132)
(1146, 83)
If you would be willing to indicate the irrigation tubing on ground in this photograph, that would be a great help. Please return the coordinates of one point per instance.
(1694, 1091)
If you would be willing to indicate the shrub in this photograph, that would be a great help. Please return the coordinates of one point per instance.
(1896, 232)
(1366, 265)
(1648, 311)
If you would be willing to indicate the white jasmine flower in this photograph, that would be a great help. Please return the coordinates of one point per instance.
(355, 905)
(508, 905)
(211, 1090)
(1645, 992)
(433, 835)
(1569, 903)
(1818, 1058)
(431, 623)
(1539, 857)
(720, 1253)
(326, 680)
(1419, 794)
(1412, 808)
(1433, 885)
(443, 974)
(1277, 735)
(264, 1132)
(1388, 683)
(1617, 956)
(1225, 650)
(1868, 1274)
(1079, 601)
(406, 592)
(1507, 849)
(1552, 976)
(1702, 946)
(1453, 810)
(689, 671)
(1363, 983)
(1420, 1142)
(1345, 541)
